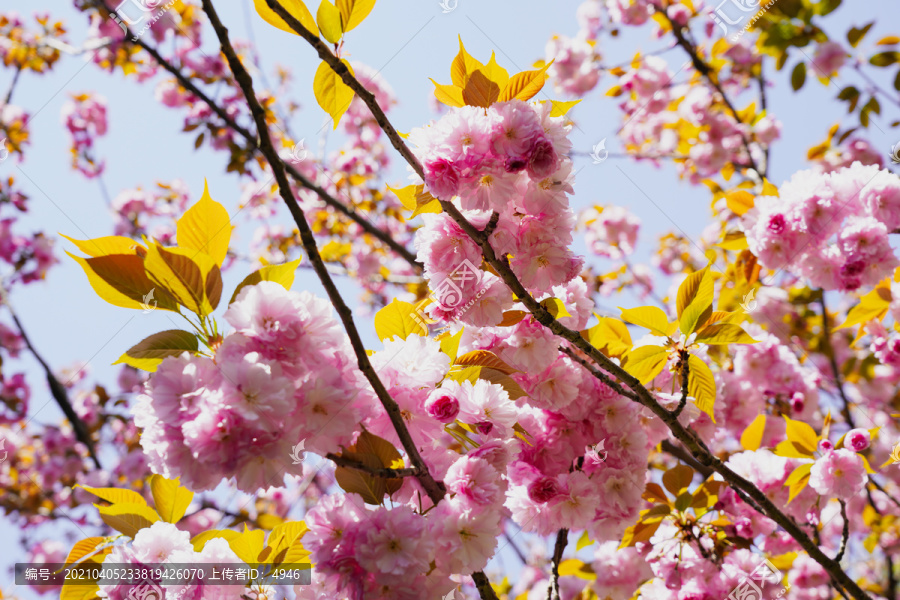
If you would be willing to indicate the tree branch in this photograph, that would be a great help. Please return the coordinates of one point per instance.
(383, 236)
(343, 461)
(562, 538)
(832, 360)
(641, 394)
(683, 357)
(845, 532)
(57, 389)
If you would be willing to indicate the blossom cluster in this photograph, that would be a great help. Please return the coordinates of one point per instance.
(829, 228)
(510, 159)
(286, 374)
(84, 115)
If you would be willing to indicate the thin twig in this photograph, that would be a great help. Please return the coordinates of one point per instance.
(57, 389)
(832, 360)
(684, 357)
(845, 531)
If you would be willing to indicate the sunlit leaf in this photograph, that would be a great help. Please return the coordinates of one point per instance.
(170, 498)
(147, 354)
(328, 18)
(678, 478)
(802, 435)
(282, 274)
(739, 201)
(485, 358)
(751, 439)
(695, 299)
(650, 317)
(609, 335)
(561, 109)
(354, 12)
(103, 246)
(121, 280)
(205, 227)
(332, 94)
(183, 272)
(128, 519)
(646, 362)
(702, 386)
(724, 333)
(115, 495)
(555, 307)
(295, 8)
(398, 319)
(525, 85)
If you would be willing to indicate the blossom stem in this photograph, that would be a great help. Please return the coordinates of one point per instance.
(845, 532)
(832, 360)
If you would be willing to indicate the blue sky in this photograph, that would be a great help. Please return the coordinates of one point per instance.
(408, 42)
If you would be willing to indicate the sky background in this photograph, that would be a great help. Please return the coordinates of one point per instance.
(408, 42)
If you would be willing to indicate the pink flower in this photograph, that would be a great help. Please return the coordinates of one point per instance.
(442, 179)
(839, 473)
(829, 58)
(857, 439)
(543, 489)
(442, 406)
(394, 542)
(476, 481)
(542, 160)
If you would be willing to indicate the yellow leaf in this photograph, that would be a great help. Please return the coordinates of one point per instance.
(614, 91)
(735, 240)
(525, 85)
(248, 544)
(79, 591)
(199, 540)
(650, 317)
(171, 498)
(769, 189)
(103, 246)
(873, 305)
(463, 66)
(788, 449)
(495, 72)
(147, 354)
(189, 275)
(354, 12)
(723, 333)
(480, 90)
(555, 307)
(802, 435)
(332, 94)
(206, 227)
(578, 568)
(560, 109)
(694, 302)
(448, 94)
(753, 434)
(328, 18)
(511, 317)
(797, 479)
(584, 541)
(610, 335)
(678, 478)
(450, 344)
(121, 280)
(702, 386)
(502, 379)
(398, 319)
(728, 171)
(281, 274)
(739, 201)
(295, 8)
(639, 532)
(646, 362)
(484, 358)
(115, 495)
(83, 548)
(888, 41)
(284, 535)
(128, 519)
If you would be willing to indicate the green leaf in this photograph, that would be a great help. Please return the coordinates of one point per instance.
(295, 8)
(171, 498)
(855, 35)
(798, 76)
(206, 227)
(128, 519)
(885, 59)
(332, 94)
(702, 386)
(650, 317)
(329, 19)
(398, 319)
(151, 351)
(695, 299)
(646, 362)
(282, 274)
(751, 439)
(722, 334)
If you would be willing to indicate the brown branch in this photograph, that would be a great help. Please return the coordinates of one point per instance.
(434, 490)
(383, 236)
(681, 454)
(832, 360)
(845, 531)
(683, 357)
(641, 394)
(343, 461)
(562, 538)
(57, 389)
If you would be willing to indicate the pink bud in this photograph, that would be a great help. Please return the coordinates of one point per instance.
(442, 406)
(857, 439)
(543, 489)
